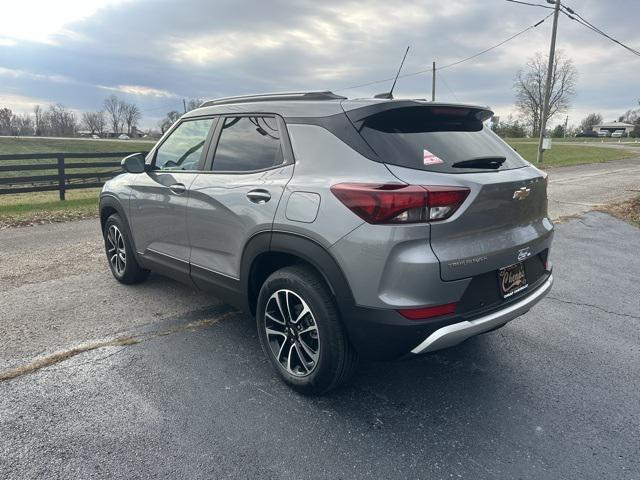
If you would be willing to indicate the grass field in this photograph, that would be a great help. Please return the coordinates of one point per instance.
(567, 154)
(10, 145)
(41, 207)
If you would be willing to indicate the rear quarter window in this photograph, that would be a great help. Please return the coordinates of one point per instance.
(435, 138)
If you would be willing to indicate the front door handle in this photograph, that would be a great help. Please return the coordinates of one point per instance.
(178, 188)
(259, 196)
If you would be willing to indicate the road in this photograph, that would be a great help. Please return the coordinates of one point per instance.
(552, 395)
(582, 188)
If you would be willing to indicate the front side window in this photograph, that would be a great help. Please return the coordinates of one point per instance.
(183, 148)
(247, 144)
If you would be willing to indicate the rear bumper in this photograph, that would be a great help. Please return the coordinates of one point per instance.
(458, 332)
(383, 334)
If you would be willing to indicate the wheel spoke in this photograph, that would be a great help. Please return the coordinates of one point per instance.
(271, 317)
(289, 358)
(301, 357)
(286, 302)
(307, 349)
(271, 331)
(310, 328)
(280, 307)
(284, 344)
(304, 311)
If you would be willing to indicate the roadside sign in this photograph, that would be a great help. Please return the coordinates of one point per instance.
(546, 143)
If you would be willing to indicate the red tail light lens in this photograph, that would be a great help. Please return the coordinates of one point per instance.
(428, 312)
(397, 203)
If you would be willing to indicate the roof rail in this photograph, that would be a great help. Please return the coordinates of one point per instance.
(270, 97)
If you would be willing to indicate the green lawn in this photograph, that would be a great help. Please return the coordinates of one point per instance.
(564, 154)
(10, 145)
(45, 207)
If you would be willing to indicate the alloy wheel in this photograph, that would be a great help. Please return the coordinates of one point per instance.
(292, 333)
(116, 251)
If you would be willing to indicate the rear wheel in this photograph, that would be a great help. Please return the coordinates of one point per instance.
(301, 333)
(119, 250)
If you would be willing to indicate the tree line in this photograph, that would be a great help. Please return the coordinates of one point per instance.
(117, 116)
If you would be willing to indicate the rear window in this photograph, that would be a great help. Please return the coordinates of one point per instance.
(436, 138)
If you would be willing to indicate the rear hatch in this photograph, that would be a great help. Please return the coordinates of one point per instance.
(503, 221)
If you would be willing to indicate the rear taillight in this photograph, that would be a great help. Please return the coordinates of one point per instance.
(396, 203)
(428, 312)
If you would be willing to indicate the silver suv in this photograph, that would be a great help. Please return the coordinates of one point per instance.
(374, 228)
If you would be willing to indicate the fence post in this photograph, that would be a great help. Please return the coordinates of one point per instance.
(61, 176)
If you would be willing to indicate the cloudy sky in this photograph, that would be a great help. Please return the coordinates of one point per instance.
(157, 52)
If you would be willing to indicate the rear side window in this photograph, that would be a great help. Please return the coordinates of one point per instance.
(247, 144)
(436, 139)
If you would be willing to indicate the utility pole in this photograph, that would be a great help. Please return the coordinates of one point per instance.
(547, 89)
(184, 105)
(433, 82)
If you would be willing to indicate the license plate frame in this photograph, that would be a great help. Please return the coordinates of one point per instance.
(512, 279)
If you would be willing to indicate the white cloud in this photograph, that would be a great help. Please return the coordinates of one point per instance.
(21, 103)
(140, 90)
(43, 20)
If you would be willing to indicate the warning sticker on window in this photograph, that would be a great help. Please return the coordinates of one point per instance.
(430, 158)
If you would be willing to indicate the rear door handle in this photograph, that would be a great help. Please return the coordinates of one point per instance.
(259, 196)
(178, 188)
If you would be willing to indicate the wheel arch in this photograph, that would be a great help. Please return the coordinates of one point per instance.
(110, 205)
(267, 252)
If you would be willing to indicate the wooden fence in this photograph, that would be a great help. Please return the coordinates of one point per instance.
(57, 171)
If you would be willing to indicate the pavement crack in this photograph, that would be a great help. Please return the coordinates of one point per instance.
(597, 307)
(63, 355)
(124, 341)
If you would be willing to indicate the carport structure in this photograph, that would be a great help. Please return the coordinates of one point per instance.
(613, 126)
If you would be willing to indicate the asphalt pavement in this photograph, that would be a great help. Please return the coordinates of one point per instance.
(554, 394)
(578, 189)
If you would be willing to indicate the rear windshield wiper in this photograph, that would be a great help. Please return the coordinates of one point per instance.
(492, 163)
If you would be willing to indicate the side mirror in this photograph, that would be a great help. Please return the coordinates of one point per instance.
(134, 163)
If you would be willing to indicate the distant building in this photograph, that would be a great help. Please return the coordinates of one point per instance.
(613, 126)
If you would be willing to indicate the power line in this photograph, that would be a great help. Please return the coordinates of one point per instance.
(494, 46)
(575, 16)
(420, 72)
(530, 4)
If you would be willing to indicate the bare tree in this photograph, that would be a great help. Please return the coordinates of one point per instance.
(94, 122)
(62, 122)
(37, 113)
(193, 103)
(171, 118)
(114, 108)
(5, 121)
(529, 88)
(132, 116)
(22, 125)
(589, 121)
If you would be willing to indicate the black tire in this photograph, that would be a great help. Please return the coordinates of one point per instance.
(131, 272)
(336, 358)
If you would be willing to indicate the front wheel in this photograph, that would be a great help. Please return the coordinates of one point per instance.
(301, 333)
(119, 250)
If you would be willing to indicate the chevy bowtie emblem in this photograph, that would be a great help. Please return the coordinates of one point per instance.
(521, 193)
